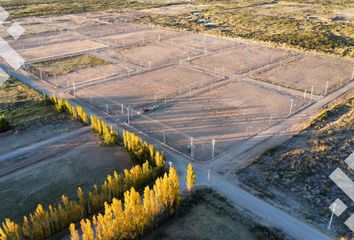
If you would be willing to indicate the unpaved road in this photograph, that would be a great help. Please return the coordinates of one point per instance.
(20, 151)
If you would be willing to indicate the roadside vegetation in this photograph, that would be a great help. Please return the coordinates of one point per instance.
(44, 222)
(21, 105)
(299, 169)
(137, 215)
(320, 26)
(66, 66)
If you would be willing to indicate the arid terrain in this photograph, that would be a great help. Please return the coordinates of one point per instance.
(204, 89)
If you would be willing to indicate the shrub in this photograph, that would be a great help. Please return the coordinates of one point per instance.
(4, 124)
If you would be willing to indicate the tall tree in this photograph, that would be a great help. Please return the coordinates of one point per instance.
(190, 178)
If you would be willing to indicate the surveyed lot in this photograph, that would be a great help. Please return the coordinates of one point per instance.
(311, 71)
(152, 55)
(229, 113)
(60, 50)
(241, 59)
(143, 89)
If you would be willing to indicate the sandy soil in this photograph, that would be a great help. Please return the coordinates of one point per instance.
(229, 114)
(63, 167)
(241, 59)
(140, 36)
(142, 55)
(311, 71)
(60, 49)
(201, 42)
(140, 89)
(88, 74)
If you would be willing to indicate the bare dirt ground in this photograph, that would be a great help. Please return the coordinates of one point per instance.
(60, 49)
(310, 71)
(108, 29)
(201, 42)
(40, 130)
(229, 114)
(241, 59)
(60, 169)
(210, 216)
(145, 55)
(295, 175)
(139, 36)
(139, 90)
(35, 25)
(43, 40)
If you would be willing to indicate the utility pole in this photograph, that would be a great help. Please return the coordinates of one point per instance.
(311, 96)
(291, 106)
(192, 147)
(128, 116)
(326, 88)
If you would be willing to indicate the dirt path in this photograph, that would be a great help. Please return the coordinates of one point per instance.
(33, 147)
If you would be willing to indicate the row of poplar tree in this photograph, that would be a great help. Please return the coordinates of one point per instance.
(44, 222)
(130, 219)
(108, 134)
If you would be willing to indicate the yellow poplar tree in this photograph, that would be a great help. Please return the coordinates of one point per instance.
(190, 178)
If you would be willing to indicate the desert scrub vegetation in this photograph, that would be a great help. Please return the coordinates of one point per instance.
(22, 105)
(307, 25)
(300, 167)
(27, 8)
(65, 66)
(4, 124)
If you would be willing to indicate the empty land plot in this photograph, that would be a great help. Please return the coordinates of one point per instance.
(43, 40)
(78, 69)
(153, 55)
(201, 42)
(140, 90)
(229, 114)
(60, 169)
(310, 71)
(242, 59)
(108, 29)
(139, 36)
(209, 216)
(35, 25)
(61, 49)
(88, 75)
(64, 66)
